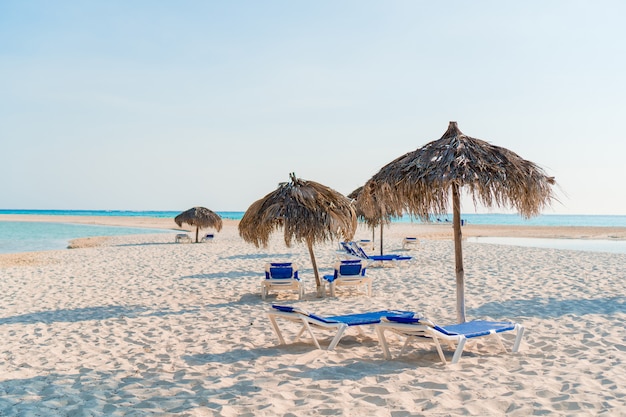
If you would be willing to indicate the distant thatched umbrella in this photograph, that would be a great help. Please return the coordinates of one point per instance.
(307, 211)
(375, 213)
(423, 181)
(200, 217)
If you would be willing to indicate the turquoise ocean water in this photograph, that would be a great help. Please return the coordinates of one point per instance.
(18, 237)
(30, 236)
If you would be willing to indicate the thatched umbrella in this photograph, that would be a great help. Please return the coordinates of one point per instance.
(375, 213)
(354, 196)
(422, 183)
(307, 211)
(200, 217)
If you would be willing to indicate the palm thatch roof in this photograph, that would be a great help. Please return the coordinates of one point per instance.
(308, 212)
(428, 180)
(200, 217)
(356, 197)
(419, 182)
(373, 208)
(377, 202)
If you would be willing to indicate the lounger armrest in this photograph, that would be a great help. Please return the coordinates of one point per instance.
(290, 309)
(330, 278)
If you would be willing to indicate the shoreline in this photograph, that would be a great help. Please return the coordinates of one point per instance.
(424, 231)
(392, 234)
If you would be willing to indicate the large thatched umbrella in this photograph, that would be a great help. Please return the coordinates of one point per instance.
(307, 211)
(422, 183)
(200, 217)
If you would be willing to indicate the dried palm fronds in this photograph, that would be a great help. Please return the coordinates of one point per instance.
(307, 211)
(200, 217)
(427, 180)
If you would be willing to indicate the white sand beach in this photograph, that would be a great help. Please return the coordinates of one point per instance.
(141, 326)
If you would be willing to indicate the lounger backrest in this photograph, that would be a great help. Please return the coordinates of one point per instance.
(360, 252)
(419, 320)
(285, 270)
(290, 309)
(349, 268)
(347, 246)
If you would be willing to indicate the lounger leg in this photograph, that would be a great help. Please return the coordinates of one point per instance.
(340, 330)
(498, 339)
(276, 329)
(459, 350)
(518, 338)
(406, 343)
(380, 331)
(306, 324)
(263, 292)
(302, 330)
(440, 351)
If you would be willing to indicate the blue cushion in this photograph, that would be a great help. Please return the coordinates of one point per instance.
(352, 319)
(468, 329)
(405, 320)
(478, 328)
(369, 317)
(281, 272)
(350, 269)
(288, 309)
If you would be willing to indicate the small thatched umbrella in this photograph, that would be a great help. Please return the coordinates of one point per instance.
(423, 181)
(307, 211)
(200, 217)
(374, 212)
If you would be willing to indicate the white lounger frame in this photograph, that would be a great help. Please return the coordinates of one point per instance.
(410, 241)
(208, 237)
(307, 324)
(426, 333)
(356, 281)
(282, 284)
(183, 238)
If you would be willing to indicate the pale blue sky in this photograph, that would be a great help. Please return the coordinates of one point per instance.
(159, 105)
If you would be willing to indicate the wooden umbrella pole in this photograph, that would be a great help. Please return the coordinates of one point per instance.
(458, 254)
(381, 239)
(318, 282)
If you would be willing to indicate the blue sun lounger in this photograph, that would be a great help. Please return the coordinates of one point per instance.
(422, 329)
(338, 324)
(208, 237)
(349, 273)
(280, 276)
(410, 241)
(353, 250)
